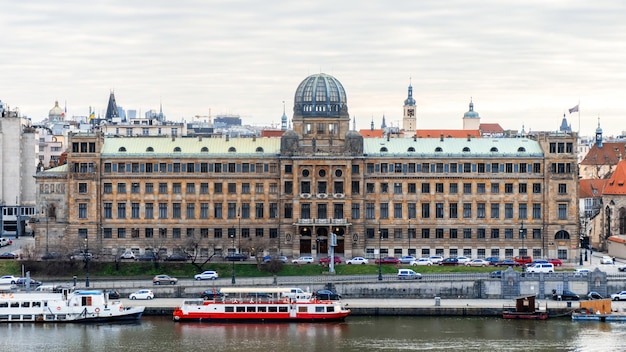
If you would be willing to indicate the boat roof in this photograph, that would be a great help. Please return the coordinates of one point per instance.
(255, 289)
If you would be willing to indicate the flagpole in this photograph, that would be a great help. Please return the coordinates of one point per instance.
(578, 117)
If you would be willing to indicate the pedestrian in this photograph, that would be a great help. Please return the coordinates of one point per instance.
(613, 260)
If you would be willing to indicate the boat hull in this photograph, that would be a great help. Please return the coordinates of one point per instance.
(523, 315)
(598, 317)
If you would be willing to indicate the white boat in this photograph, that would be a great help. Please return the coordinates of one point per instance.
(261, 304)
(76, 306)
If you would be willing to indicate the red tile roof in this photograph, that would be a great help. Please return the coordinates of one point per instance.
(372, 133)
(589, 188)
(491, 128)
(617, 183)
(609, 154)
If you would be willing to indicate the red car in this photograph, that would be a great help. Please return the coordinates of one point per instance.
(326, 260)
(388, 260)
(555, 262)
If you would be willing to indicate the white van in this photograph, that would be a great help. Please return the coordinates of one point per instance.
(297, 294)
(541, 268)
(5, 241)
(408, 274)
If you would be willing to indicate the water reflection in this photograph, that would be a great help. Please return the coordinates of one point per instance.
(356, 334)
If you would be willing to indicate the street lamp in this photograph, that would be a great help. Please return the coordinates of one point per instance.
(86, 256)
(46, 213)
(522, 235)
(232, 235)
(380, 268)
(408, 252)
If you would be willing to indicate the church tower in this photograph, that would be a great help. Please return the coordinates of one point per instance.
(409, 123)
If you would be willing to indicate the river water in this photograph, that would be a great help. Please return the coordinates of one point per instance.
(355, 334)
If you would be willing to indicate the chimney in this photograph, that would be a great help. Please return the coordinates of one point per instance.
(414, 138)
(469, 137)
(254, 138)
(227, 137)
(441, 137)
(199, 138)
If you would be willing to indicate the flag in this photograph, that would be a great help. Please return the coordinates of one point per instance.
(574, 109)
(92, 115)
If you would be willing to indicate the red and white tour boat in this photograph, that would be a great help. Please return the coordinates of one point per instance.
(261, 304)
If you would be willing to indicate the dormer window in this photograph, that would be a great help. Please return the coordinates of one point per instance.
(466, 150)
(177, 150)
(149, 149)
(122, 149)
(204, 150)
(232, 150)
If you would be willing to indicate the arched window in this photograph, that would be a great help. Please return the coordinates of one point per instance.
(411, 150)
(562, 235)
(438, 150)
(521, 150)
(383, 149)
(232, 150)
(177, 150)
(466, 150)
(149, 149)
(122, 149)
(622, 221)
(259, 150)
(493, 150)
(204, 150)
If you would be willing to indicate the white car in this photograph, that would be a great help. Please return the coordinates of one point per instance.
(303, 260)
(421, 261)
(436, 259)
(606, 259)
(463, 260)
(8, 280)
(619, 296)
(128, 255)
(206, 275)
(477, 262)
(142, 294)
(357, 260)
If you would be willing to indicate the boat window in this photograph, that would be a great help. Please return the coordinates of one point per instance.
(229, 309)
(36, 304)
(319, 309)
(262, 309)
(241, 309)
(4, 304)
(330, 309)
(282, 309)
(250, 309)
(302, 309)
(272, 309)
(25, 304)
(15, 304)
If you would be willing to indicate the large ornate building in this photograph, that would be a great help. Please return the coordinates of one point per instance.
(477, 197)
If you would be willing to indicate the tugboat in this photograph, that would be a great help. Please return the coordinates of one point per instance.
(261, 304)
(525, 308)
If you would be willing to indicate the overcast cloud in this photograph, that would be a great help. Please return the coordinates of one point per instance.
(522, 62)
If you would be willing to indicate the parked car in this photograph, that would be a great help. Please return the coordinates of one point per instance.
(408, 274)
(619, 296)
(112, 294)
(582, 271)
(236, 257)
(594, 295)
(436, 259)
(326, 260)
(508, 262)
(463, 260)
(357, 260)
(147, 257)
(606, 259)
(537, 261)
(206, 275)
(128, 255)
(211, 294)
(280, 258)
(622, 268)
(556, 262)
(566, 295)
(8, 255)
(449, 262)
(142, 294)
(523, 259)
(387, 260)
(421, 261)
(81, 256)
(477, 262)
(492, 260)
(407, 259)
(177, 257)
(326, 295)
(51, 256)
(164, 279)
(22, 282)
(496, 274)
(303, 260)
(8, 280)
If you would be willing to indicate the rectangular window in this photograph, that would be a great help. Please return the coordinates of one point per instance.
(258, 188)
(426, 188)
(82, 210)
(176, 188)
(82, 188)
(369, 188)
(425, 210)
(191, 188)
(481, 210)
(536, 210)
(480, 188)
(149, 211)
(176, 211)
(219, 188)
(454, 233)
(232, 188)
(121, 211)
(523, 211)
(397, 210)
(204, 188)
(495, 188)
(438, 187)
(356, 187)
(397, 188)
(218, 211)
(412, 208)
(412, 188)
(384, 211)
(356, 211)
(134, 187)
(522, 188)
(162, 210)
(121, 233)
(121, 188)
(425, 233)
(495, 210)
(454, 188)
(508, 233)
(191, 211)
(508, 188)
(495, 233)
(508, 211)
(134, 211)
(439, 210)
(454, 211)
(467, 188)
(108, 188)
(562, 211)
(536, 188)
(204, 210)
(162, 188)
(149, 188)
(480, 233)
(245, 188)
(467, 210)
(467, 233)
(562, 188)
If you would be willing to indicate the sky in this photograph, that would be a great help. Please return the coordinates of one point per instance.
(523, 63)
